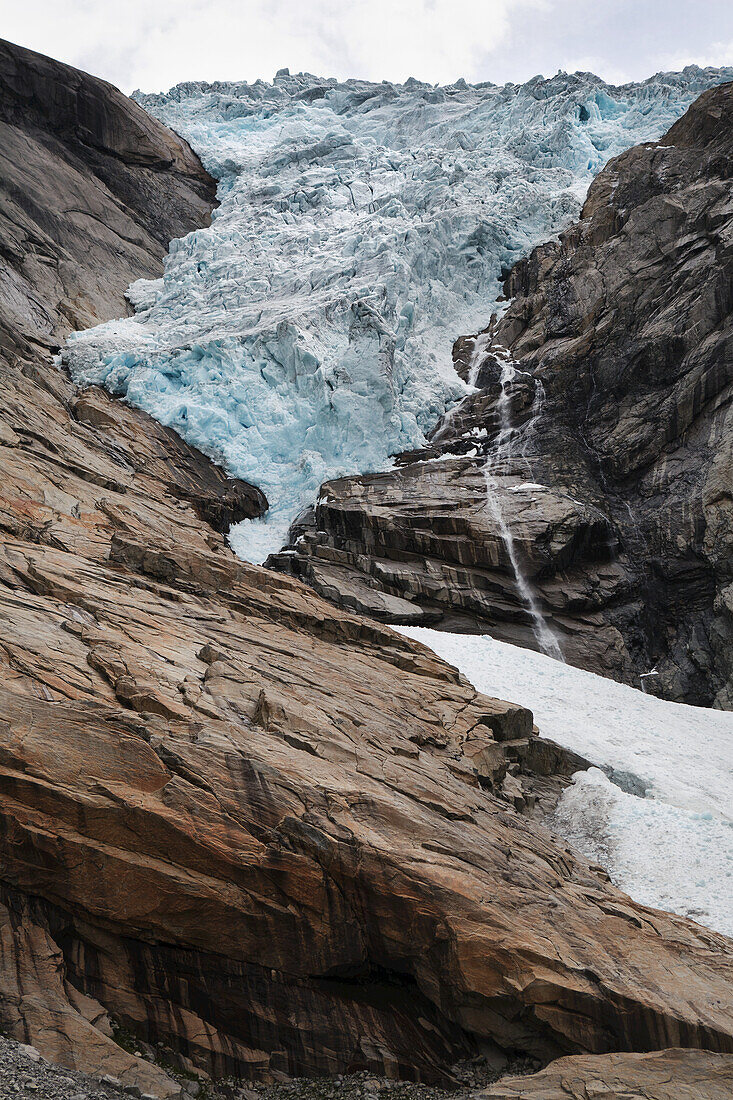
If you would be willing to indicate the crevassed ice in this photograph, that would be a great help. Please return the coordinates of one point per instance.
(362, 227)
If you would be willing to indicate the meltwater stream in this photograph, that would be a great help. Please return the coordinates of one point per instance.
(502, 452)
(362, 227)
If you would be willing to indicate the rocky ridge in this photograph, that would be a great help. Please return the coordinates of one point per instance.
(93, 189)
(262, 833)
(616, 485)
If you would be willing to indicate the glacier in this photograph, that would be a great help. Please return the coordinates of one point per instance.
(656, 812)
(361, 228)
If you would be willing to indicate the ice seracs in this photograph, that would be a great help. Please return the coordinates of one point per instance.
(362, 227)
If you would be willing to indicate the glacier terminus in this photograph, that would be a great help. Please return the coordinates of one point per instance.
(362, 228)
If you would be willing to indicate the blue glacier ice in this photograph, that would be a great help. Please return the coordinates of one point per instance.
(361, 228)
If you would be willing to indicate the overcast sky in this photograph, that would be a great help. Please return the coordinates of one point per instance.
(153, 44)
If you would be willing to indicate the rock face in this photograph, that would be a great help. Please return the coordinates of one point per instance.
(91, 191)
(615, 484)
(671, 1075)
(261, 831)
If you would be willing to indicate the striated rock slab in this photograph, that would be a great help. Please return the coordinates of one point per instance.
(265, 834)
(616, 488)
(667, 1075)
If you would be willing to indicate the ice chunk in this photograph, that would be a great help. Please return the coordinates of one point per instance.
(144, 293)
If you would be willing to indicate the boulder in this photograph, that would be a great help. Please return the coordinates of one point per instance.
(666, 1075)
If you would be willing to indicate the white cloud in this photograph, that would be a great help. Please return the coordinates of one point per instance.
(717, 55)
(155, 43)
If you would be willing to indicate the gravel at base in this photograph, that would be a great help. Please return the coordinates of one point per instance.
(25, 1074)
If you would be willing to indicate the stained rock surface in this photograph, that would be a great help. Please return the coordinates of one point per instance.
(268, 834)
(616, 481)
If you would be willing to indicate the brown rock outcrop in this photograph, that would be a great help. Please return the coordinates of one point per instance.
(618, 489)
(262, 836)
(92, 189)
(262, 831)
(668, 1075)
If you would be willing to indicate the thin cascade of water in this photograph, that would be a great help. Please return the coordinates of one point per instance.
(546, 639)
(478, 354)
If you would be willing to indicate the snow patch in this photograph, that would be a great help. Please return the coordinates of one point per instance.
(662, 824)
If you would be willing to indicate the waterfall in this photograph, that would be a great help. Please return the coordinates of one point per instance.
(546, 639)
(480, 347)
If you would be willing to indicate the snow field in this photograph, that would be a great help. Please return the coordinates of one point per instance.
(663, 828)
